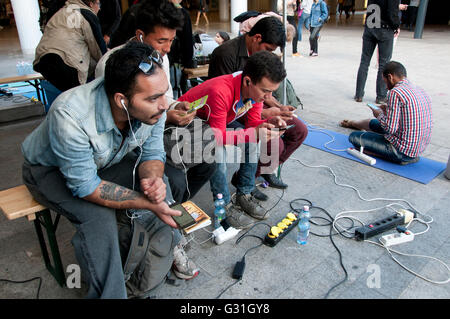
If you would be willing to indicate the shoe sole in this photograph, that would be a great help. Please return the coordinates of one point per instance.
(183, 276)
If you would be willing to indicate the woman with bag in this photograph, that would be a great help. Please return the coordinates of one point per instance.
(319, 15)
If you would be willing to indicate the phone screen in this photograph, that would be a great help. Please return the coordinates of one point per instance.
(197, 104)
(287, 127)
(185, 220)
(373, 106)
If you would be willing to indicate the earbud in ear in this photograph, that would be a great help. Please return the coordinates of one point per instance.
(248, 82)
(123, 104)
(141, 38)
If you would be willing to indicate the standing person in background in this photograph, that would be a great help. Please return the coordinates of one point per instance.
(203, 9)
(347, 8)
(291, 9)
(109, 16)
(319, 14)
(304, 13)
(412, 13)
(71, 45)
(383, 37)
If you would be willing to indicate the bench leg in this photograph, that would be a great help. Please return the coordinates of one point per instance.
(45, 218)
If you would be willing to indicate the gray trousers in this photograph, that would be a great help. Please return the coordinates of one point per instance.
(96, 241)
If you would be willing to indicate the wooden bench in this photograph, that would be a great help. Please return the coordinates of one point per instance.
(17, 202)
(198, 72)
(32, 79)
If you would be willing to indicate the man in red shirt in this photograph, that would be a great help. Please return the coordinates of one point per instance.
(266, 35)
(235, 101)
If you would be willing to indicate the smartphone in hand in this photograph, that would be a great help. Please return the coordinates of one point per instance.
(373, 106)
(194, 106)
(286, 127)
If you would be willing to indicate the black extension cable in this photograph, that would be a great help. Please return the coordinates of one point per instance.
(330, 235)
(25, 281)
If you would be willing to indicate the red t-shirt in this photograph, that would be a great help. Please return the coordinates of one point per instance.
(223, 107)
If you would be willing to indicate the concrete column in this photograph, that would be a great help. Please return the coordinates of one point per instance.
(26, 14)
(420, 21)
(224, 10)
(237, 7)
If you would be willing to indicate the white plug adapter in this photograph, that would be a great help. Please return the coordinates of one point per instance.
(397, 238)
(406, 214)
(221, 236)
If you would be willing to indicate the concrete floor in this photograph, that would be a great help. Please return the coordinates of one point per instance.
(326, 86)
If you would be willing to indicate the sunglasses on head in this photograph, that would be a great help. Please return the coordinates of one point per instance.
(147, 66)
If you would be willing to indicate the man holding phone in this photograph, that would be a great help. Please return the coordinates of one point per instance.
(401, 129)
(236, 101)
(266, 35)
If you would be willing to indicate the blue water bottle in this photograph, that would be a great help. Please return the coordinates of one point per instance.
(303, 226)
(219, 212)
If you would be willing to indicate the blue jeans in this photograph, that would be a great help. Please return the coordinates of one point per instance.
(384, 39)
(375, 143)
(302, 21)
(245, 174)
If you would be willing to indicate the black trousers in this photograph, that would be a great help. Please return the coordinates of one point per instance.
(313, 38)
(196, 177)
(292, 20)
(373, 38)
(54, 70)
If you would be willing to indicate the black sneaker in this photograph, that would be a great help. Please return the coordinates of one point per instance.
(274, 181)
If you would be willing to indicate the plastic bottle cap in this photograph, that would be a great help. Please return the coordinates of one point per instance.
(219, 196)
(306, 208)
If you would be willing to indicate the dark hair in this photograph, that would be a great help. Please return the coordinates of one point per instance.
(122, 67)
(394, 68)
(88, 2)
(159, 13)
(264, 64)
(272, 31)
(224, 36)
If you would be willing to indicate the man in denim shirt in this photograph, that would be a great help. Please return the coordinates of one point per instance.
(82, 160)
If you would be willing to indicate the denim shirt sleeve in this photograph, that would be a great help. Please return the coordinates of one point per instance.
(324, 12)
(74, 154)
(153, 146)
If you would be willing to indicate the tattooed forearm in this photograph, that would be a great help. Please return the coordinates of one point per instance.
(114, 192)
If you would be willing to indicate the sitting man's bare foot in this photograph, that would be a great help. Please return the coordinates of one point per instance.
(347, 124)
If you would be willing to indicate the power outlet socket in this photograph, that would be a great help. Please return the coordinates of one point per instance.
(397, 238)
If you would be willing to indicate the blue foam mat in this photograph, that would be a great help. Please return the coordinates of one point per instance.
(424, 171)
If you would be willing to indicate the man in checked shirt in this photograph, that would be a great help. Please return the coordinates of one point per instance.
(401, 130)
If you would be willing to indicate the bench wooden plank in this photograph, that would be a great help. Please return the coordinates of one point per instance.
(200, 71)
(22, 78)
(17, 202)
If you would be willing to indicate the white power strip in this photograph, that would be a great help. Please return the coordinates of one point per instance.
(221, 236)
(362, 156)
(397, 238)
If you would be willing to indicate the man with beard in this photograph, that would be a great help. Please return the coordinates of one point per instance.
(98, 153)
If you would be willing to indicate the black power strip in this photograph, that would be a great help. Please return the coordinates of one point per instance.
(279, 231)
(379, 226)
